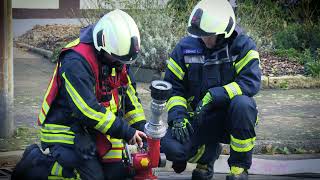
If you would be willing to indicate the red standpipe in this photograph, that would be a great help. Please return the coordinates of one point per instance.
(144, 162)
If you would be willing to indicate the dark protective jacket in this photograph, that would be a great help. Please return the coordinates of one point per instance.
(75, 97)
(227, 71)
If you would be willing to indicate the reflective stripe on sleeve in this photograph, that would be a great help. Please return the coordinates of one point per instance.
(252, 54)
(134, 116)
(176, 101)
(105, 124)
(233, 89)
(175, 69)
(81, 104)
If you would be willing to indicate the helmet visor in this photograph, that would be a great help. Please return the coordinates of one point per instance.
(133, 52)
(194, 29)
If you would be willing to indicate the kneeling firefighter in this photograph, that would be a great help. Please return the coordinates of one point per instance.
(214, 74)
(90, 106)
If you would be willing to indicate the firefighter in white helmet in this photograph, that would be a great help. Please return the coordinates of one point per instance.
(214, 74)
(91, 106)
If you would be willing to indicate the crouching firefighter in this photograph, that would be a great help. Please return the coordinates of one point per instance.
(80, 119)
(214, 74)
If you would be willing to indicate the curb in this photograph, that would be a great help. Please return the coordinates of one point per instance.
(147, 75)
(289, 82)
(261, 164)
(40, 51)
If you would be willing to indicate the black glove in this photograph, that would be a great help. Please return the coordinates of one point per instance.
(182, 130)
(84, 144)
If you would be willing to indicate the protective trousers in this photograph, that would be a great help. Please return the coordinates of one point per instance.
(68, 160)
(63, 162)
(233, 125)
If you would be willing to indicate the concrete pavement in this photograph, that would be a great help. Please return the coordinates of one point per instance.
(288, 118)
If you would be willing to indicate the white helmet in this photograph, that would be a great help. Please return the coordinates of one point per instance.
(212, 17)
(117, 34)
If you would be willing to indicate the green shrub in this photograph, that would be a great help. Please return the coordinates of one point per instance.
(289, 38)
(313, 68)
(299, 37)
(181, 9)
(290, 53)
(312, 63)
(260, 19)
(159, 31)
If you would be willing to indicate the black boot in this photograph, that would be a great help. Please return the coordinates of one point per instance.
(237, 173)
(179, 167)
(206, 171)
(203, 172)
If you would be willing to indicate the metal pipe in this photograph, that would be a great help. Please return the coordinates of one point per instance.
(160, 91)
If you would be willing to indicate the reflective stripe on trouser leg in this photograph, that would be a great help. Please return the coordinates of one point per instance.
(206, 154)
(242, 118)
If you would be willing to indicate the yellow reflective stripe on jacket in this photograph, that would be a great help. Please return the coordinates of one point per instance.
(113, 105)
(198, 155)
(73, 43)
(252, 54)
(116, 143)
(56, 169)
(105, 124)
(63, 178)
(113, 154)
(45, 105)
(131, 92)
(55, 128)
(41, 116)
(134, 116)
(56, 138)
(233, 89)
(175, 69)
(113, 72)
(239, 145)
(116, 150)
(176, 101)
(84, 108)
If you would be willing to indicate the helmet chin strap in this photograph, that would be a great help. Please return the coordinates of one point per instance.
(108, 60)
(221, 42)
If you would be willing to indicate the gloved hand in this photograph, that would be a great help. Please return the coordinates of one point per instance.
(84, 145)
(204, 103)
(181, 130)
(201, 108)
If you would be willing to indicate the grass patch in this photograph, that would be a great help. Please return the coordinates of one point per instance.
(23, 136)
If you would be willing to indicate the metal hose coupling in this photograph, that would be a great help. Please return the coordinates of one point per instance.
(160, 91)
